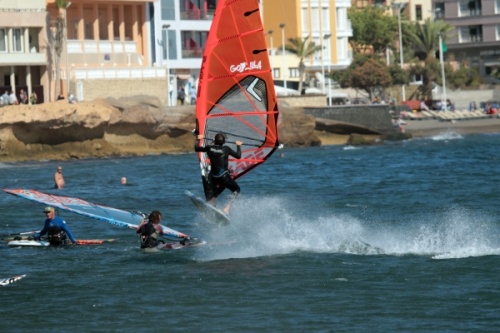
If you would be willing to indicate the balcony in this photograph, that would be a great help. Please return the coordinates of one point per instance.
(23, 59)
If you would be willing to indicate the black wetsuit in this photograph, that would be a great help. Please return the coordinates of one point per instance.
(219, 177)
(149, 235)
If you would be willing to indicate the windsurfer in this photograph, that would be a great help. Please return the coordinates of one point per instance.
(150, 230)
(56, 228)
(58, 178)
(219, 177)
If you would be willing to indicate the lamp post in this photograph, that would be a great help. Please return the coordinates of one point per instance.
(270, 32)
(282, 26)
(399, 7)
(443, 77)
(167, 68)
(326, 37)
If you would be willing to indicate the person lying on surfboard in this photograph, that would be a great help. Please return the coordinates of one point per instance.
(219, 177)
(56, 229)
(150, 230)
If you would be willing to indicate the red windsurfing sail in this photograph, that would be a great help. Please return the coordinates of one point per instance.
(236, 91)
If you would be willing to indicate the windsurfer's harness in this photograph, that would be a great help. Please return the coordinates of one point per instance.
(56, 236)
(149, 236)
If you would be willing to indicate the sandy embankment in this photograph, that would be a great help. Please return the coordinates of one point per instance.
(430, 127)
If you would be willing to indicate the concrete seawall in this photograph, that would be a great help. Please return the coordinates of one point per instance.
(376, 118)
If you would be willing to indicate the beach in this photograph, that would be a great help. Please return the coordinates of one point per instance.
(425, 128)
(430, 127)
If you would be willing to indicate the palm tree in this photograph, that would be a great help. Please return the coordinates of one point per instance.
(58, 38)
(426, 39)
(302, 48)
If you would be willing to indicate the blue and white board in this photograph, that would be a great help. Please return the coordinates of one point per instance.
(211, 213)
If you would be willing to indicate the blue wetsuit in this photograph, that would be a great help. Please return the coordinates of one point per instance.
(58, 223)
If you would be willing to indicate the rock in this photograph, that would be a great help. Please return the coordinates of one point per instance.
(132, 126)
(356, 139)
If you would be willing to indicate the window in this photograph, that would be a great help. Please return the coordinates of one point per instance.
(167, 10)
(497, 6)
(3, 40)
(193, 43)
(325, 19)
(305, 19)
(276, 72)
(418, 12)
(18, 40)
(470, 8)
(439, 11)
(315, 19)
(172, 46)
(293, 72)
(471, 34)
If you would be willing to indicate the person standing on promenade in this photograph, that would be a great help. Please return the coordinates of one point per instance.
(58, 178)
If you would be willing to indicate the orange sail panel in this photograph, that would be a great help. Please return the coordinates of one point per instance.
(236, 91)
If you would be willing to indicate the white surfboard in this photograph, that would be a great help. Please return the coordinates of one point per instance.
(211, 213)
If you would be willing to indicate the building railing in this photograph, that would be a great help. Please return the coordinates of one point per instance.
(103, 46)
(119, 73)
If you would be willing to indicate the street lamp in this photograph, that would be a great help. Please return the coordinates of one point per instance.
(326, 37)
(270, 32)
(444, 102)
(400, 7)
(167, 68)
(282, 26)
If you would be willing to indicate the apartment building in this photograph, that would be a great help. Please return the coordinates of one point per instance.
(108, 49)
(182, 28)
(180, 33)
(326, 24)
(23, 57)
(476, 37)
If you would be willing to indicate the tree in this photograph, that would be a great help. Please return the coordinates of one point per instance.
(462, 77)
(58, 38)
(373, 30)
(302, 48)
(426, 39)
(366, 73)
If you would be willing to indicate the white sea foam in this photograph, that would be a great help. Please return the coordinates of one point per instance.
(450, 135)
(281, 227)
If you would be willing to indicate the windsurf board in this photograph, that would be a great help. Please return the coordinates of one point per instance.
(28, 243)
(41, 243)
(211, 213)
(7, 281)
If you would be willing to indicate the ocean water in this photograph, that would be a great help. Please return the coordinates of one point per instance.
(400, 237)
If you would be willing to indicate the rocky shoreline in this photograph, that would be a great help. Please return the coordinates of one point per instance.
(140, 126)
(135, 126)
